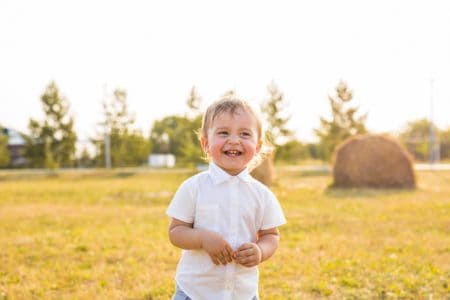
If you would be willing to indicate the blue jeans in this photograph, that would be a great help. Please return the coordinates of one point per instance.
(180, 295)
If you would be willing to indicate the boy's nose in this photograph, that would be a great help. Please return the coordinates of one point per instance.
(233, 139)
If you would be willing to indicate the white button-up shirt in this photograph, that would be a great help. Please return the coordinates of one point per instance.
(237, 207)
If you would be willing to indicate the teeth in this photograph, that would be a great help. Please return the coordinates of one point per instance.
(233, 152)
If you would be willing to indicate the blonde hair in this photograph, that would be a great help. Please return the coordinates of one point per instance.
(230, 104)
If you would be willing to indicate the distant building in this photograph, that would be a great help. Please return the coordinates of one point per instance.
(16, 145)
(161, 160)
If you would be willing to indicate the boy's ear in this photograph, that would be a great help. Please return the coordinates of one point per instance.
(259, 145)
(204, 144)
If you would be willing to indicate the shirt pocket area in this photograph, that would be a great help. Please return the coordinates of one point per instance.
(207, 217)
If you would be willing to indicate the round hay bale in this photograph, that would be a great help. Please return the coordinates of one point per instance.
(372, 161)
(265, 172)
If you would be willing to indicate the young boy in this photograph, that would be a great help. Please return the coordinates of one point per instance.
(224, 220)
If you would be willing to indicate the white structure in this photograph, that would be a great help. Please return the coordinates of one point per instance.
(16, 144)
(161, 160)
(14, 137)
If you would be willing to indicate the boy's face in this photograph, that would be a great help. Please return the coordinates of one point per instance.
(232, 140)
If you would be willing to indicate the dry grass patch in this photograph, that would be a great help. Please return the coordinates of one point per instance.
(105, 237)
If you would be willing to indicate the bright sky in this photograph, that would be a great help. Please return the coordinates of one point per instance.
(388, 52)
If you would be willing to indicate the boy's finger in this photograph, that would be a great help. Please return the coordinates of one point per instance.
(229, 249)
(241, 259)
(229, 257)
(247, 251)
(214, 260)
(226, 255)
(250, 252)
(229, 253)
(222, 260)
(244, 246)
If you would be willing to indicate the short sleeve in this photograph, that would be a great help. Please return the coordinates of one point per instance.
(273, 215)
(182, 206)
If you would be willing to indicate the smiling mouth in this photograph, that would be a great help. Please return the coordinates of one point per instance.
(233, 153)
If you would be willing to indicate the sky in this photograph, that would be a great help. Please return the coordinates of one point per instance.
(393, 54)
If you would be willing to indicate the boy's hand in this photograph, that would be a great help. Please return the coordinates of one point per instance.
(249, 255)
(217, 247)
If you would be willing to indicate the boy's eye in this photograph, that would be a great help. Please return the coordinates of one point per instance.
(222, 133)
(246, 134)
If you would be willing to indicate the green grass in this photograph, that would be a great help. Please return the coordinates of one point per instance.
(103, 235)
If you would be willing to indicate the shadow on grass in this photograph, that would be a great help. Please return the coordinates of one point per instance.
(305, 173)
(125, 174)
(340, 192)
(26, 175)
(313, 173)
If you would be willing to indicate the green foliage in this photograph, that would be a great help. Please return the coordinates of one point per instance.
(274, 110)
(5, 157)
(343, 124)
(85, 160)
(292, 152)
(194, 102)
(444, 138)
(416, 138)
(178, 135)
(128, 147)
(314, 150)
(49, 161)
(51, 142)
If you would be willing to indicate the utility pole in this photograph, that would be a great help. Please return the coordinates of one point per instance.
(433, 147)
(107, 150)
(107, 138)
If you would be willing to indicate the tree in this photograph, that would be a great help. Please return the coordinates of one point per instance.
(5, 157)
(274, 110)
(313, 150)
(444, 137)
(292, 152)
(229, 93)
(52, 141)
(343, 124)
(84, 160)
(194, 102)
(178, 135)
(128, 147)
(49, 160)
(191, 153)
(416, 138)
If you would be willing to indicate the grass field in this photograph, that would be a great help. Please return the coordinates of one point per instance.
(103, 235)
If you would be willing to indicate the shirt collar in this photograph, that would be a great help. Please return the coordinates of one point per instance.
(219, 176)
